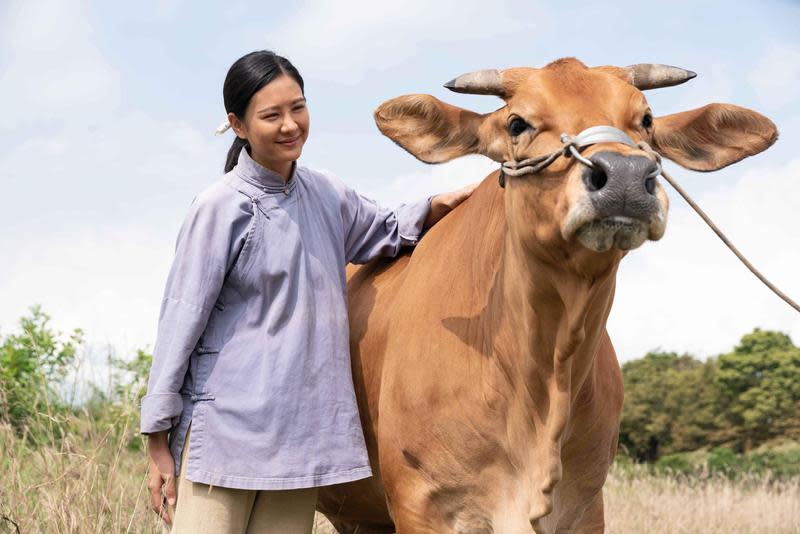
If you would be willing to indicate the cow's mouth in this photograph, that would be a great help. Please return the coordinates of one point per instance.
(619, 231)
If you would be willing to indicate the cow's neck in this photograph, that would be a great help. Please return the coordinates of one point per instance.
(551, 323)
(556, 316)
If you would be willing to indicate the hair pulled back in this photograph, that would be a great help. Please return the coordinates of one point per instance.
(244, 79)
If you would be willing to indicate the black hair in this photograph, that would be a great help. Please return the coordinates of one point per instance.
(245, 78)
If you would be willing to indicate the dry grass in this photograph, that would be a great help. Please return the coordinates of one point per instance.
(637, 501)
(88, 483)
(92, 482)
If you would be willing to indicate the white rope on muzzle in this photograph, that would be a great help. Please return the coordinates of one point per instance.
(571, 146)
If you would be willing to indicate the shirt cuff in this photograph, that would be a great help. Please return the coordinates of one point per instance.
(160, 411)
(411, 219)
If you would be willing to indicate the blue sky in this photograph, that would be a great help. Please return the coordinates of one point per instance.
(109, 111)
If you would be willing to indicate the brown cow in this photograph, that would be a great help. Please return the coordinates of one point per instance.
(489, 390)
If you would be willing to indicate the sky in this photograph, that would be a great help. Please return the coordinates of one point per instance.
(109, 109)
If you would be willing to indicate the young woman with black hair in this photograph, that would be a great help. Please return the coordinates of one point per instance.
(252, 359)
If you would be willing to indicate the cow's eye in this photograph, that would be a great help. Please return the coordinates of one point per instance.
(517, 126)
(647, 121)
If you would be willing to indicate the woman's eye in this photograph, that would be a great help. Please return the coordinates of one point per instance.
(299, 108)
(517, 126)
(271, 117)
(647, 121)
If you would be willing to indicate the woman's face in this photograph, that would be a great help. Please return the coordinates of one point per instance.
(275, 124)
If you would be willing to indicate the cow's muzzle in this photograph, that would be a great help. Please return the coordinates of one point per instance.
(625, 207)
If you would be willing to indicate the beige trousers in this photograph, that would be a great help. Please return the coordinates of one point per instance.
(211, 509)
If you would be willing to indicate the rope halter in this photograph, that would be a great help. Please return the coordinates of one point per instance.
(571, 146)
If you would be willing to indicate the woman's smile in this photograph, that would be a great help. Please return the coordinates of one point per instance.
(291, 143)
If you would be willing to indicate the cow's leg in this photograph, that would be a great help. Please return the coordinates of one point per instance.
(593, 519)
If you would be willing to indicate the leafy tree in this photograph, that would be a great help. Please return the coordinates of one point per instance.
(759, 389)
(669, 404)
(130, 376)
(741, 399)
(33, 363)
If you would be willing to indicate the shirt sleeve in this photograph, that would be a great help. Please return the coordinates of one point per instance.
(209, 241)
(371, 230)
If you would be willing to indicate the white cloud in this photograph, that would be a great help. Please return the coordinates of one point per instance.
(714, 83)
(688, 292)
(777, 76)
(106, 281)
(91, 203)
(94, 251)
(343, 41)
(432, 179)
(51, 69)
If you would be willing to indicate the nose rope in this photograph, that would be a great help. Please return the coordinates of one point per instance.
(571, 146)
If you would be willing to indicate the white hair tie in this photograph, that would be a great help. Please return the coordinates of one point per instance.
(223, 128)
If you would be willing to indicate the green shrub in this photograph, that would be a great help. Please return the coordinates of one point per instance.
(33, 366)
(678, 464)
(779, 463)
(723, 461)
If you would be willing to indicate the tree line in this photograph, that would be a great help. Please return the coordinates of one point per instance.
(674, 403)
(742, 399)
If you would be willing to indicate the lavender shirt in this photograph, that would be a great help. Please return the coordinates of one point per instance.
(253, 340)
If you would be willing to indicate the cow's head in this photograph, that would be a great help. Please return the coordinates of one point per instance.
(570, 210)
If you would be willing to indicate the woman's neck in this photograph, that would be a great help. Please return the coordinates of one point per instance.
(284, 168)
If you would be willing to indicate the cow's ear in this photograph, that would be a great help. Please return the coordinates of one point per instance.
(434, 131)
(713, 136)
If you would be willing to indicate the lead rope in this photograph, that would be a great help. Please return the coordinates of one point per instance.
(720, 233)
(605, 134)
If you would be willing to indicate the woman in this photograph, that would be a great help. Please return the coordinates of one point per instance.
(251, 362)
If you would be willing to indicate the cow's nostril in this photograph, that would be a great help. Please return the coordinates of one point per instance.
(650, 185)
(597, 178)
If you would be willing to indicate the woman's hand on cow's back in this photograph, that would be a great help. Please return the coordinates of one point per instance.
(443, 203)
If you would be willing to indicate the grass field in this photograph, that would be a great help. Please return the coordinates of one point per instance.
(93, 480)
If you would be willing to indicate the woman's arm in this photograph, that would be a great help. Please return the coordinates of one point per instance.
(372, 230)
(208, 243)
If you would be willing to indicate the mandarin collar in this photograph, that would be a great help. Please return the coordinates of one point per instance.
(268, 180)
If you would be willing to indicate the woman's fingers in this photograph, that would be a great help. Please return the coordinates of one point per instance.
(158, 484)
(156, 499)
(164, 513)
(154, 485)
(169, 490)
(468, 190)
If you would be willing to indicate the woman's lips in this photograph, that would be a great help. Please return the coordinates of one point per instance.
(290, 142)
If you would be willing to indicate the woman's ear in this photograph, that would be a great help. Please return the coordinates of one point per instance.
(713, 136)
(237, 126)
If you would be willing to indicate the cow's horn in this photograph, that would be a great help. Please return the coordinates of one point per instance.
(653, 75)
(482, 82)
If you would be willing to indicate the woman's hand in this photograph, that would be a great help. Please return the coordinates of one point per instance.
(442, 204)
(161, 475)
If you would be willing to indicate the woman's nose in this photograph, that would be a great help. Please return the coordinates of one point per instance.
(289, 125)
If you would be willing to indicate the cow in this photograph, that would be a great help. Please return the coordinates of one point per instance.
(489, 391)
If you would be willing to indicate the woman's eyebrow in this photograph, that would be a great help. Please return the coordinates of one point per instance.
(293, 102)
